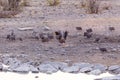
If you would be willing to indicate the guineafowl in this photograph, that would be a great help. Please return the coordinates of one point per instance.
(65, 34)
(11, 36)
(111, 28)
(89, 30)
(79, 28)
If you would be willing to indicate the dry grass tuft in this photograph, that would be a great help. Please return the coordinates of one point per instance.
(53, 2)
(8, 14)
(3, 4)
(92, 6)
(24, 3)
(10, 8)
(13, 5)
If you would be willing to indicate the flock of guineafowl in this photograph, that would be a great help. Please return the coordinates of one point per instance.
(61, 36)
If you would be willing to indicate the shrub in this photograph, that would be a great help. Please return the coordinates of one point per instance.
(3, 4)
(8, 14)
(53, 2)
(92, 6)
(11, 7)
(24, 3)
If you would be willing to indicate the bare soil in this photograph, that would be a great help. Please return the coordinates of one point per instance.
(66, 16)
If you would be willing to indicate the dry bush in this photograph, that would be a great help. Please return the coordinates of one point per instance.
(8, 14)
(13, 5)
(3, 4)
(24, 3)
(53, 2)
(10, 8)
(106, 5)
(92, 6)
(83, 3)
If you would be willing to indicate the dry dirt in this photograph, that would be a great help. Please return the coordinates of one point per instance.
(65, 16)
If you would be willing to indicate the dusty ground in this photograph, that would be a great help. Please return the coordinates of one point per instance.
(65, 16)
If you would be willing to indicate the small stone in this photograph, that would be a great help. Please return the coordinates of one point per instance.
(50, 35)
(6, 61)
(103, 49)
(47, 68)
(1, 67)
(97, 40)
(72, 69)
(110, 78)
(114, 50)
(85, 70)
(14, 65)
(58, 65)
(45, 28)
(34, 69)
(96, 72)
(101, 67)
(5, 69)
(36, 76)
(117, 71)
(82, 65)
(114, 67)
(23, 68)
(26, 28)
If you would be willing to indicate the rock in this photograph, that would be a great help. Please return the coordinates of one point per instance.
(5, 69)
(36, 76)
(82, 65)
(1, 67)
(26, 29)
(13, 66)
(45, 28)
(9, 61)
(34, 69)
(117, 71)
(102, 49)
(114, 50)
(114, 67)
(96, 72)
(50, 35)
(110, 78)
(22, 55)
(23, 68)
(85, 69)
(47, 68)
(101, 67)
(34, 63)
(58, 65)
(72, 69)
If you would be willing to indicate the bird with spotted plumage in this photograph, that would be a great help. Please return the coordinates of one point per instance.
(11, 36)
(61, 36)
